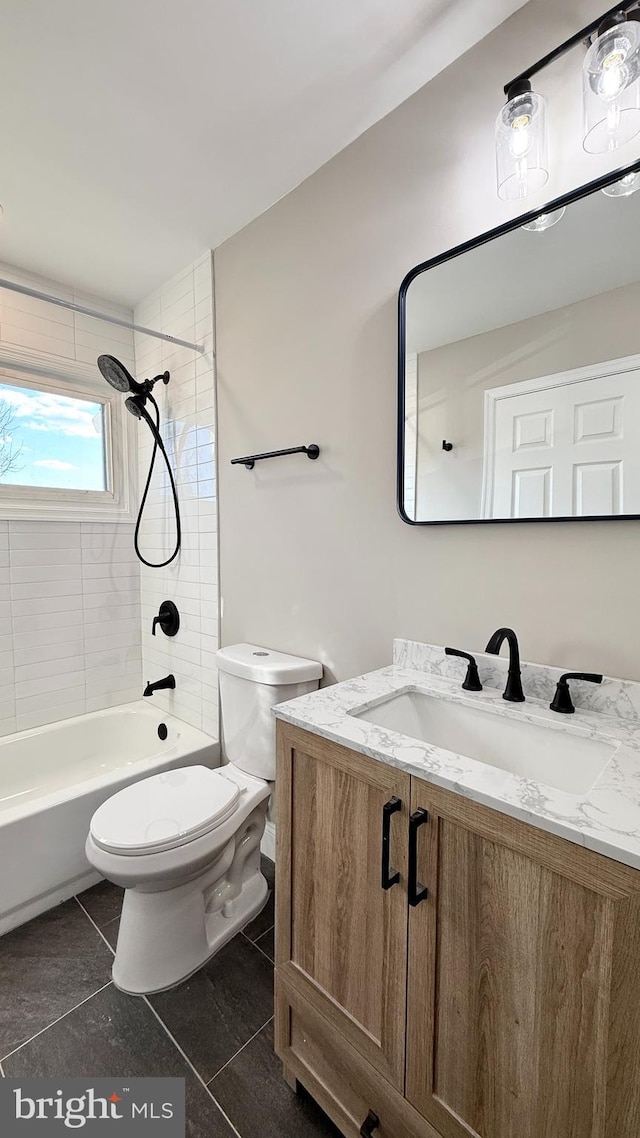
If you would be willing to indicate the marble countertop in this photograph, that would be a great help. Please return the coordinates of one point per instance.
(606, 818)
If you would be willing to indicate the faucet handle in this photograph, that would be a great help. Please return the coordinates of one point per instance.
(562, 701)
(168, 618)
(471, 681)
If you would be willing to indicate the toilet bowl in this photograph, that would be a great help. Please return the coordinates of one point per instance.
(185, 844)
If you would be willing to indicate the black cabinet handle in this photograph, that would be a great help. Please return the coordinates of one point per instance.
(370, 1124)
(417, 893)
(389, 876)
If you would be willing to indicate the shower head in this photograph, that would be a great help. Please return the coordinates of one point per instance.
(134, 405)
(118, 377)
(116, 374)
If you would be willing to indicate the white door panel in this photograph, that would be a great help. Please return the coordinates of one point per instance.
(569, 450)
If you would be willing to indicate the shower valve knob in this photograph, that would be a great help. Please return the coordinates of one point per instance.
(168, 618)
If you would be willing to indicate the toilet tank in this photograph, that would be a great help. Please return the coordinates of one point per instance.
(252, 681)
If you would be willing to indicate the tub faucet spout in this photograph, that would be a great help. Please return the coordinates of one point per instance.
(158, 685)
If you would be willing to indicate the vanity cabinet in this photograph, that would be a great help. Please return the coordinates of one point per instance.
(342, 938)
(505, 1001)
(523, 1011)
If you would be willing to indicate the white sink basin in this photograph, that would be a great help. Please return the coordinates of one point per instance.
(558, 758)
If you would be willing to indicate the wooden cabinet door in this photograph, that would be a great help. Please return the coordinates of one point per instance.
(524, 980)
(341, 938)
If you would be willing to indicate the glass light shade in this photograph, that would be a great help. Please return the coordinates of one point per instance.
(624, 187)
(544, 221)
(522, 163)
(611, 89)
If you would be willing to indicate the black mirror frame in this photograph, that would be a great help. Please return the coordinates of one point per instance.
(457, 251)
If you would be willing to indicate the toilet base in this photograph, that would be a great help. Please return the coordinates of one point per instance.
(168, 932)
(174, 958)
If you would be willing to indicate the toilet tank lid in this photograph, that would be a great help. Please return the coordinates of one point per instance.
(265, 666)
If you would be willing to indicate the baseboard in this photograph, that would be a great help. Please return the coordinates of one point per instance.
(268, 843)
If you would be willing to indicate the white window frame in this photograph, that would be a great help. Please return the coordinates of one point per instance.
(43, 372)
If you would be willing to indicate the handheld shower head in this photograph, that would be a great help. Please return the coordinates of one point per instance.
(117, 375)
(119, 378)
(134, 405)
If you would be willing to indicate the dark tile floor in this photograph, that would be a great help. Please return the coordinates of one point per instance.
(60, 1014)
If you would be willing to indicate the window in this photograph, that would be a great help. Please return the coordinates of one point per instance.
(51, 440)
(66, 449)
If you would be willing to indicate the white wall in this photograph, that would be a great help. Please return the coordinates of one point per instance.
(183, 307)
(314, 558)
(69, 591)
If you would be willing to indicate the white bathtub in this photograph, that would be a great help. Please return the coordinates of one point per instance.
(53, 778)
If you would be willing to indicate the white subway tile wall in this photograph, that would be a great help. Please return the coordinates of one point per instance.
(73, 633)
(182, 307)
(69, 639)
(69, 591)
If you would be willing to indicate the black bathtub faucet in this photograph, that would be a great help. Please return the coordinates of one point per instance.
(159, 685)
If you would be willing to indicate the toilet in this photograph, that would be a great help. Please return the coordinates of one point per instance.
(185, 844)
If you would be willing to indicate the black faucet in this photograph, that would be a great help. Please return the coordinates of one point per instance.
(562, 701)
(471, 680)
(159, 685)
(513, 690)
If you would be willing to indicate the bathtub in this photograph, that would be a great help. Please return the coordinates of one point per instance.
(53, 778)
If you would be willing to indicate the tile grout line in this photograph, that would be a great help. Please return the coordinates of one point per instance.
(89, 918)
(190, 1064)
(238, 1052)
(106, 926)
(256, 945)
(55, 1021)
(266, 932)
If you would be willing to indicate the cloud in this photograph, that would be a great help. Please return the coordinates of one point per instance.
(54, 464)
(46, 412)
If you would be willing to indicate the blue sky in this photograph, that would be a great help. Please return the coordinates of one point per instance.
(59, 439)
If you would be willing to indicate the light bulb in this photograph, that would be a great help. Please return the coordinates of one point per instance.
(520, 138)
(624, 187)
(544, 221)
(521, 145)
(611, 88)
(614, 76)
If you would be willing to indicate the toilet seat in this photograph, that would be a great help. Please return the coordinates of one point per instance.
(164, 811)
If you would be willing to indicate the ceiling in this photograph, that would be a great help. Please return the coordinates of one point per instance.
(593, 249)
(136, 133)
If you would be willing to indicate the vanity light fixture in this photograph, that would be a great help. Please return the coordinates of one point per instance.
(611, 98)
(522, 160)
(611, 85)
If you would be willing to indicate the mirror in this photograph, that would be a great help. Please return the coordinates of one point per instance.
(519, 385)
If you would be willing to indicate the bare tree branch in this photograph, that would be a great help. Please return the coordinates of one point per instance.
(9, 450)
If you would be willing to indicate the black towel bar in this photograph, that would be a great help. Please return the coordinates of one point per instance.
(249, 460)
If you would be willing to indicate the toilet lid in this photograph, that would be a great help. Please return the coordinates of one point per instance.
(164, 811)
